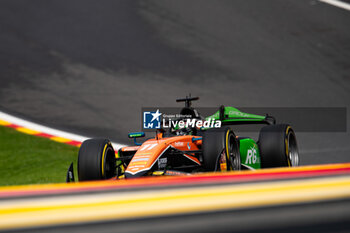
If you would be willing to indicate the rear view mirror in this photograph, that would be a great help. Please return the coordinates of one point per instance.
(136, 135)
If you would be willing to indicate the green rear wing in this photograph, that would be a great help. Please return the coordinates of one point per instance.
(233, 116)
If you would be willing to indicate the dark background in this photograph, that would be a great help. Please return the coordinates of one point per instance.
(89, 66)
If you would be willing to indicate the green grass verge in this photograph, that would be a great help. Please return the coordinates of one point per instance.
(27, 159)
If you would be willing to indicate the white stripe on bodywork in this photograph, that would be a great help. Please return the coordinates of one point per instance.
(140, 159)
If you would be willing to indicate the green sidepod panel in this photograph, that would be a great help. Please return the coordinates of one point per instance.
(250, 155)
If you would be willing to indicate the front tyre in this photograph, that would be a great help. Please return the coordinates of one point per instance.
(220, 150)
(96, 160)
(278, 146)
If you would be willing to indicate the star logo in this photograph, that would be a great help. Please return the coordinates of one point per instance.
(156, 115)
(151, 120)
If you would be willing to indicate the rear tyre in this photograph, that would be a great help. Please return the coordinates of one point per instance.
(96, 160)
(220, 150)
(278, 146)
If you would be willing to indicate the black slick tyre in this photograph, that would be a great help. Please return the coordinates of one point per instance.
(220, 146)
(278, 146)
(96, 160)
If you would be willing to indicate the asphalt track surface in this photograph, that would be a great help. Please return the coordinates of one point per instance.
(89, 66)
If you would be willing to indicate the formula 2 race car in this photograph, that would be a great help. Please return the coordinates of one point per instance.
(182, 151)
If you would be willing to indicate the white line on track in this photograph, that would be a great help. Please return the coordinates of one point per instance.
(47, 130)
(337, 3)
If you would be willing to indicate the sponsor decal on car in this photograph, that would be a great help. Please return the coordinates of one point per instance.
(137, 163)
(162, 163)
(140, 159)
(179, 144)
(252, 157)
(130, 148)
(238, 113)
